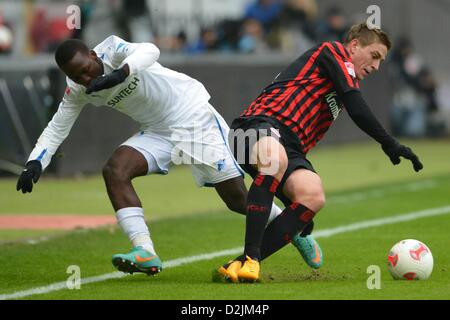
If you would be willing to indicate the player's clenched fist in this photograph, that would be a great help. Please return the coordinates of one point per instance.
(29, 175)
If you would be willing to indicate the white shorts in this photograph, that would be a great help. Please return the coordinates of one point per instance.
(203, 145)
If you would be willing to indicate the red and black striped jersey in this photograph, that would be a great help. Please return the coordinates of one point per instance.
(305, 97)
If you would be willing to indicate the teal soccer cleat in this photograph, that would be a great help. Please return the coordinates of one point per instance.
(309, 249)
(137, 260)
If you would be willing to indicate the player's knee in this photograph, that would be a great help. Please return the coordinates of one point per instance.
(237, 206)
(319, 201)
(305, 187)
(108, 172)
(312, 198)
(237, 202)
(114, 173)
(316, 200)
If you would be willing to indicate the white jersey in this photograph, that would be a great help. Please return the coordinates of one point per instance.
(161, 100)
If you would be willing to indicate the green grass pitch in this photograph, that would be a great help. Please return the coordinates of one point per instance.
(361, 185)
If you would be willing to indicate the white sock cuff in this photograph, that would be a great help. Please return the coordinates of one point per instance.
(124, 213)
(132, 221)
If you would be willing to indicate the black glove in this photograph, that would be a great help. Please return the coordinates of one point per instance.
(397, 150)
(30, 174)
(108, 81)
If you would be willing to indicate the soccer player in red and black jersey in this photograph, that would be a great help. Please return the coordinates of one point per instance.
(289, 117)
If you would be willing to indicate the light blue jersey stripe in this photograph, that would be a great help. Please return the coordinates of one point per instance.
(39, 158)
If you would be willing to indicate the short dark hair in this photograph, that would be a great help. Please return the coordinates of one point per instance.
(367, 35)
(67, 49)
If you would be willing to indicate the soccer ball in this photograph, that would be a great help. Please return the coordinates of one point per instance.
(411, 260)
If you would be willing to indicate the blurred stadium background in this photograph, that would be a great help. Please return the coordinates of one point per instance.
(234, 47)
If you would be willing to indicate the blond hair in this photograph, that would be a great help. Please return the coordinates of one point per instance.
(367, 36)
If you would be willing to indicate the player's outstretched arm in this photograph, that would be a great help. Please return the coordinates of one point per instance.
(49, 141)
(363, 117)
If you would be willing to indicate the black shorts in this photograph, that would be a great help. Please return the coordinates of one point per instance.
(264, 126)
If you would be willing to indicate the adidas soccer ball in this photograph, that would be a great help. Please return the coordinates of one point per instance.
(411, 260)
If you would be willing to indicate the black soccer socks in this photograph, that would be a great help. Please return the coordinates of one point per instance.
(280, 231)
(259, 204)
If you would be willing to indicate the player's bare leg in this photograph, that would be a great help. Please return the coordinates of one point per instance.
(304, 186)
(125, 164)
(234, 193)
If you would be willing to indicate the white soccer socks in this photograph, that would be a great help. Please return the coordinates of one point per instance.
(132, 222)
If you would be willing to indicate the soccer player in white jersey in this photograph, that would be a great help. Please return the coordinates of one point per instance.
(178, 125)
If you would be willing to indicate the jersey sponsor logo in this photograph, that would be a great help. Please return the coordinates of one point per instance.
(125, 92)
(67, 92)
(333, 104)
(350, 68)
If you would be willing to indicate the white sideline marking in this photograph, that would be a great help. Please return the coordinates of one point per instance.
(208, 256)
(381, 192)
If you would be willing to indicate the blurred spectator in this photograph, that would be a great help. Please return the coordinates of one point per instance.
(435, 125)
(334, 27)
(6, 37)
(38, 32)
(252, 38)
(408, 106)
(179, 43)
(46, 33)
(134, 21)
(414, 108)
(176, 43)
(208, 41)
(300, 15)
(265, 11)
(229, 32)
(58, 32)
(297, 25)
